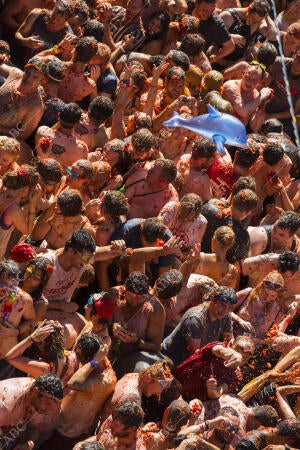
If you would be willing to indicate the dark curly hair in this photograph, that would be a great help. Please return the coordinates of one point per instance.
(128, 413)
(89, 344)
(49, 170)
(168, 284)
(85, 49)
(192, 44)
(143, 139)
(180, 59)
(25, 175)
(289, 220)
(189, 203)
(273, 153)
(70, 114)
(137, 283)
(153, 229)
(288, 261)
(70, 203)
(95, 29)
(116, 204)
(50, 384)
(44, 265)
(101, 109)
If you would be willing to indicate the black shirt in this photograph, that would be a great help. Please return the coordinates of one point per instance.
(214, 30)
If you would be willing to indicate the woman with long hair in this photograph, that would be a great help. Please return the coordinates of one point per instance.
(36, 276)
(45, 352)
(156, 31)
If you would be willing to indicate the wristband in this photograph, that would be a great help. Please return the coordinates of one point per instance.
(93, 363)
(55, 49)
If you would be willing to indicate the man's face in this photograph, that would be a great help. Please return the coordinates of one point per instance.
(204, 163)
(175, 87)
(204, 10)
(279, 237)
(245, 349)
(74, 176)
(79, 259)
(57, 19)
(220, 309)
(226, 436)
(134, 7)
(251, 79)
(253, 18)
(118, 430)
(133, 300)
(31, 79)
(45, 403)
(153, 176)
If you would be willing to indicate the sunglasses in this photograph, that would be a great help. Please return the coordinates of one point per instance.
(227, 299)
(74, 175)
(32, 274)
(273, 286)
(165, 383)
(84, 258)
(232, 428)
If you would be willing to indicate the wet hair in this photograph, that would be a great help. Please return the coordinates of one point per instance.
(88, 275)
(168, 169)
(203, 148)
(4, 47)
(188, 24)
(215, 99)
(155, 60)
(54, 345)
(255, 440)
(64, 8)
(175, 72)
(267, 54)
(245, 200)
(228, 410)
(86, 167)
(192, 44)
(93, 28)
(69, 115)
(153, 229)
(212, 80)
(81, 241)
(289, 220)
(160, 370)
(266, 415)
(271, 126)
(288, 261)
(70, 203)
(246, 157)
(164, 19)
(141, 120)
(104, 53)
(273, 153)
(81, 10)
(101, 174)
(49, 169)
(289, 428)
(46, 268)
(85, 49)
(101, 109)
(139, 77)
(36, 64)
(225, 236)
(25, 175)
(180, 59)
(55, 70)
(137, 283)
(89, 344)
(9, 269)
(143, 139)
(189, 203)
(244, 183)
(50, 384)
(258, 138)
(129, 413)
(169, 284)
(10, 145)
(260, 7)
(178, 414)
(225, 290)
(115, 204)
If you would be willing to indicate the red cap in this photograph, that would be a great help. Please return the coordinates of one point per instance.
(22, 252)
(103, 305)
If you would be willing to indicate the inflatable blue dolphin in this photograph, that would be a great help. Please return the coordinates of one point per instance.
(220, 127)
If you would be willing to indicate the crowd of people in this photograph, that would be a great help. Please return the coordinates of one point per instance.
(149, 283)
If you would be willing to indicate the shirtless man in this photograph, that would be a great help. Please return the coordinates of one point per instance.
(139, 321)
(247, 102)
(91, 129)
(278, 237)
(57, 223)
(21, 105)
(91, 385)
(17, 312)
(59, 142)
(16, 11)
(29, 410)
(192, 169)
(148, 191)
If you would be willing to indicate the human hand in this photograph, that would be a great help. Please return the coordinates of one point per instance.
(173, 245)
(95, 72)
(194, 254)
(104, 10)
(33, 42)
(70, 307)
(220, 422)
(266, 94)
(68, 41)
(8, 330)
(213, 390)
(274, 210)
(234, 360)
(124, 335)
(117, 247)
(42, 332)
(247, 326)
(101, 353)
(158, 70)
(238, 40)
(35, 193)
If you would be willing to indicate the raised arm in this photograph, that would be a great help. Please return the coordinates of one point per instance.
(283, 405)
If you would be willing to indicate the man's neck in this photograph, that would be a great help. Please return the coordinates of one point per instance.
(68, 131)
(78, 67)
(64, 262)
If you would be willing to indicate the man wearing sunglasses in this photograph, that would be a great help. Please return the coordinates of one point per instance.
(202, 324)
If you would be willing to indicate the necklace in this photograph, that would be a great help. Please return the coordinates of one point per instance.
(7, 305)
